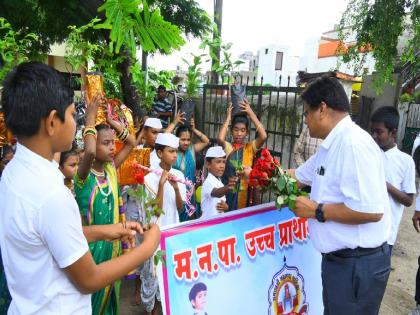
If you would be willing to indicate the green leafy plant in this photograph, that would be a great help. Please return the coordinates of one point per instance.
(146, 83)
(79, 50)
(362, 27)
(133, 22)
(416, 97)
(222, 66)
(151, 209)
(192, 82)
(406, 98)
(146, 91)
(14, 48)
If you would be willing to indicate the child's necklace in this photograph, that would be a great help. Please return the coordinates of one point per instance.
(100, 187)
(97, 174)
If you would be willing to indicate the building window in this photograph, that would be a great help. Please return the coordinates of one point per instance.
(279, 60)
(266, 51)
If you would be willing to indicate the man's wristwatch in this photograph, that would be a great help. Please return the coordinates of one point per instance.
(319, 213)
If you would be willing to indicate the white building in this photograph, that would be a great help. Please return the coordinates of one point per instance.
(275, 61)
(320, 55)
(250, 62)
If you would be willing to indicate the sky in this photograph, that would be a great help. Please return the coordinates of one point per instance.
(253, 24)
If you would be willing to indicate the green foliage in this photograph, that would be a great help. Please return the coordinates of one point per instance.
(14, 48)
(48, 19)
(286, 190)
(192, 82)
(106, 62)
(221, 66)
(131, 22)
(146, 91)
(163, 77)
(186, 14)
(377, 25)
(151, 208)
(416, 97)
(79, 50)
(406, 98)
(146, 83)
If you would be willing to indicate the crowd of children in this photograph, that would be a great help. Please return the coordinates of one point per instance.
(39, 214)
(91, 189)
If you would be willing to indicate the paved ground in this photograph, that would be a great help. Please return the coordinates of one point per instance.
(398, 298)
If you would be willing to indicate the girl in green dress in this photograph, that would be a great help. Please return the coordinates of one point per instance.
(97, 194)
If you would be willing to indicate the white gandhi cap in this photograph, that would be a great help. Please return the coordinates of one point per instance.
(168, 139)
(153, 123)
(215, 152)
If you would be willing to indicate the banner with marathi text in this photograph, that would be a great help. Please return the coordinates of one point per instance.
(257, 260)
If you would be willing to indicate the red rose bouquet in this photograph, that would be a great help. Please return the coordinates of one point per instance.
(268, 175)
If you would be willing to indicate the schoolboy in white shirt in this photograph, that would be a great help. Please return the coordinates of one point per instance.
(171, 198)
(400, 172)
(48, 265)
(152, 127)
(213, 200)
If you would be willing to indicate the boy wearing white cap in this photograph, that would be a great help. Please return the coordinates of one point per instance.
(171, 197)
(213, 200)
(152, 127)
(170, 193)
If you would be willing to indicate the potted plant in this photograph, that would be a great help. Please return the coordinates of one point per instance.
(192, 83)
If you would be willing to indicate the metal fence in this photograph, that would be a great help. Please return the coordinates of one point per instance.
(412, 126)
(278, 108)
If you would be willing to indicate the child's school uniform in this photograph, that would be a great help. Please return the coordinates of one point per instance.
(400, 172)
(151, 182)
(209, 203)
(40, 235)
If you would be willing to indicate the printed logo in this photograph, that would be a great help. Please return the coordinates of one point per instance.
(286, 295)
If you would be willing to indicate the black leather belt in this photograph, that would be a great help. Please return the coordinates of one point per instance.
(356, 252)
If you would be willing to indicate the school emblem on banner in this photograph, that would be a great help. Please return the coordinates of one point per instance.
(286, 295)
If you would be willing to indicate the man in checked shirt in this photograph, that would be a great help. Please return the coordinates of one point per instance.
(305, 146)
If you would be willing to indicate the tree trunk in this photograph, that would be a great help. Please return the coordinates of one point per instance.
(218, 10)
(130, 95)
(144, 60)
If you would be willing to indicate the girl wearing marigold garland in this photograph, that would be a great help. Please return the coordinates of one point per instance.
(240, 154)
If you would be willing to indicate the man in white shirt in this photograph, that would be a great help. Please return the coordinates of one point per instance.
(45, 253)
(400, 172)
(348, 209)
(213, 193)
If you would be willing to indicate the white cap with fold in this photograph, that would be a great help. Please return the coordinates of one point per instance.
(215, 152)
(168, 139)
(153, 123)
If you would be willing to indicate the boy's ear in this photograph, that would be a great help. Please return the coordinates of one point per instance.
(51, 122)
(159, 153)
(394, 132)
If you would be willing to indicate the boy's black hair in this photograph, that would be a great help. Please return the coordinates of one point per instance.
(240, 118)
(160, 147)
(161, 87)
(388, 115)
(30, 92)
(5, 150)
(198, 287)
(181, 129)
(328, 90)
(65, 155)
